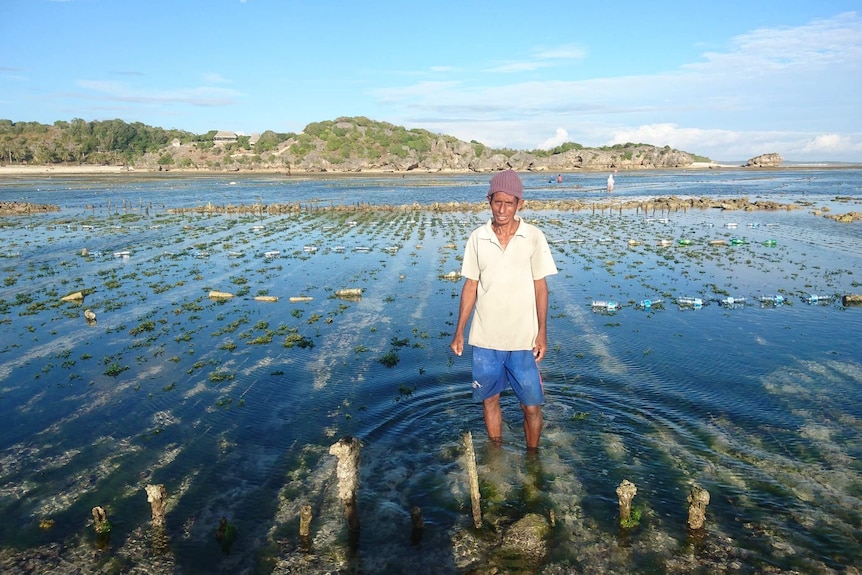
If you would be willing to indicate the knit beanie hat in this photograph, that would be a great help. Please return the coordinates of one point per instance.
(508, 182)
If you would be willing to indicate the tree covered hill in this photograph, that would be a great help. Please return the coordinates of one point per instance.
(353, 144)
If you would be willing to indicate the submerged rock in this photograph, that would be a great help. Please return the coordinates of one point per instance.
(527, 538)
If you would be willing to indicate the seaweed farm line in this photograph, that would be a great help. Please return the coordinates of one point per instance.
(182, 389)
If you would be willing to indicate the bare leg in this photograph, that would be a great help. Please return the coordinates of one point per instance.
(493, 418)
(532, 425)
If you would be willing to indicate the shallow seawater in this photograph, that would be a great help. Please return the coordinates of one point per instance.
(233, 404)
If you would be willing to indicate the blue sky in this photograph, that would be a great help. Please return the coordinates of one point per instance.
(728, 80)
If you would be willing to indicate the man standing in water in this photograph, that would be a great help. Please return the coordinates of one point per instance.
(505, 265)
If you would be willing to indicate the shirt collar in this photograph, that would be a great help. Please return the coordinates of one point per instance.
(489, 229)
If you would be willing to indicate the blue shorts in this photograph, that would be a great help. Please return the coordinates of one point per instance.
(494, 371)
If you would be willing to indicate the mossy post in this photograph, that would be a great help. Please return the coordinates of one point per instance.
(473, 475)
(102, 527)
(348, 450)
(626, 492)
(698, 499)
(100, 520)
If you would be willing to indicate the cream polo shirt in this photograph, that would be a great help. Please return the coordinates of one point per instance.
(505, 317)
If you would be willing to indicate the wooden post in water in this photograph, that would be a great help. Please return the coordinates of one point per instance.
(626, 492)
(305, 521)
(418, 525)
(100, 519)
(698, 499)
(473, 473)
(157, 496)
(348, 450)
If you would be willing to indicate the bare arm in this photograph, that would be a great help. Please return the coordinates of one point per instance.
(468, 300)
(541, 346)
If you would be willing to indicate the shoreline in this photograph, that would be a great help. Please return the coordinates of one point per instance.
(87, 170)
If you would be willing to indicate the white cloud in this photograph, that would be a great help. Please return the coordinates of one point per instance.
(566, 52)
(214, 78)
(561, 136)
(119, 91)
(829, 143)
(522, 66)
(774, 90)
(542, 58)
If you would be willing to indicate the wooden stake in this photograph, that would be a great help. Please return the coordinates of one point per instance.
(157, 495)
(698, 499)
(100, 518)
(347, 450)
(418, 525)
(473, 474)
(305, 521)
(626, 492)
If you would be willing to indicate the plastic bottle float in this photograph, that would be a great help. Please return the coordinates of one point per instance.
(605, 305)
(689, 302)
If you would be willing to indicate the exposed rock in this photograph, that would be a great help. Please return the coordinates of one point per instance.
(20, 208)
(765, 161)
(847, 218)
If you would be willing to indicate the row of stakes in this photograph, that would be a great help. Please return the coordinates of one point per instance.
(348, 450)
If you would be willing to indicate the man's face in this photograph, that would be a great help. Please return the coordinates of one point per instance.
(503, 207)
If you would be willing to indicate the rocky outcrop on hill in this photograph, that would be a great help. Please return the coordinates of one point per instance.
(341, 146)
(765, 161)
(446, 154)
(353, 145)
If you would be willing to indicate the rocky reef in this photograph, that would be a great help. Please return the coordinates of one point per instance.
(24, 208)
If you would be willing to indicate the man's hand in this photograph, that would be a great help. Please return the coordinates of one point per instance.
(541, 346)
(457, 345)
